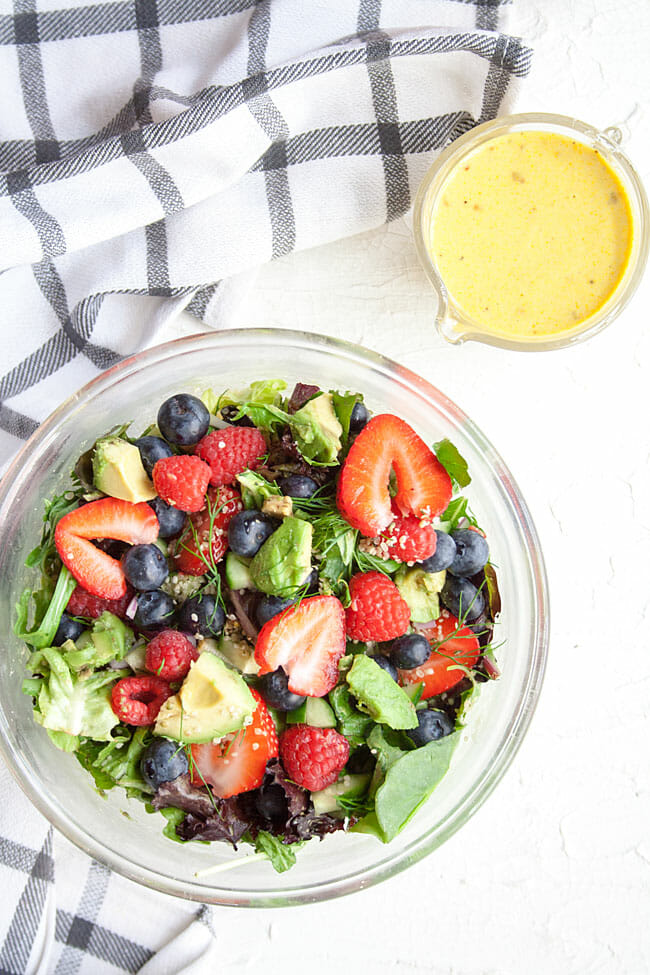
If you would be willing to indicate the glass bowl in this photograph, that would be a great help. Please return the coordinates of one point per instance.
(456, 327)
(117, 831)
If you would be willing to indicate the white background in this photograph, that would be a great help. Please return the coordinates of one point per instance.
(552, 875)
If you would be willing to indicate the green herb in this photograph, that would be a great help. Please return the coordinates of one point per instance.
(453, 462)
(281, 855)
(43, 635)
(45, 555)
(373, 563)
(343, 406)
(457, 510)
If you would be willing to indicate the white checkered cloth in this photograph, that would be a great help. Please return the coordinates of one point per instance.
(151, 151)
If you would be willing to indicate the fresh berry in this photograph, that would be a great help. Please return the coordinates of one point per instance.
(68, 629)
(201, 614)
(274, 689)
(237, 763)
(270, 606)
(432, 725)
(248, 531)
(377, 610)
(386, 664)
(169, 655)
(311, 583)
(145, 567)
(171, 520)
(137, 700)
(231, 451)
(182, 481)
(472, 552)
(162, 761)
(271, 802)
(452, 647)
(411, 650)
(231, 415)
(358, 418)
(98, 572)
(205, 541)
(307, 641)
(423, 484)
(409, 539)
(462, 598)
(298, 486)
(151, 450)
(183, 419)
(443, 555)
(313, 757)
(83, 603)
(155, 609)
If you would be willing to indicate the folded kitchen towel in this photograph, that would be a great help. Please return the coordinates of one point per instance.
(151, 152)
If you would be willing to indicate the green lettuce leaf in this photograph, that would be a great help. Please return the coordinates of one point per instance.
(343, 405)
(78, 704)
(109, 639)
(255, 489)
(43, 635)
(264, 392)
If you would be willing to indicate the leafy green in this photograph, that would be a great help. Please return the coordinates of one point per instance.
(67, 743)
(281, 855)
(78, 704)
(255, 489)
(316, 429)
(264, 391)
(366, 562)
(453, 462)
(43, 635)
(109, 639)
(378, 694)
(343, 405)
(266, 416)
(351, 722)
(45, 555)
(457, 510)
(174, 818)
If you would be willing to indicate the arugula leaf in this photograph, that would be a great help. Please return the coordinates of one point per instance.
(453, 462)
(255, 489)
(343, 406)
(44, 634)
(281, 855)
(457, 510)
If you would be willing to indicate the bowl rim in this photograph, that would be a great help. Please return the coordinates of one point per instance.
(519, 722)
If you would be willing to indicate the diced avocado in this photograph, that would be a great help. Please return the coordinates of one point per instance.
(420, 590)
(350, 786)
(118, 471)
(234, 649)
(283, 563)
(317, 429)
(315, 711)
(378, 694)
(213, 701)
(237, 572)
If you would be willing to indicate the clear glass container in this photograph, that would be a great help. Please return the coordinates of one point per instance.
(451, 322)
(117, 831)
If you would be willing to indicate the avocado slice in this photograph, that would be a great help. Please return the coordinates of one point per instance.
(283, 563)
(420, 590)
(317, 429)
(378, 694)
(213, 701)
(315, 711)
(118, 471)
(234, 649)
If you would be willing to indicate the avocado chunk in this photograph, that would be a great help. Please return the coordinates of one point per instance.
(315, 711)
(317, 430)
(350, 786)
(378, 694)
(283, 563)
(420, 590)
(233, 648)
(118, 471)
(213, 701)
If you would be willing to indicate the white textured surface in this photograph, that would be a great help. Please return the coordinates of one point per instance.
(552, 875)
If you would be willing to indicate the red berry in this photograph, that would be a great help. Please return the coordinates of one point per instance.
(452, 646)
(170, 654)
(409, 539)
(181, 481)
(137, 700)
(205, 540)
(313, 757)
(83, 603)
(231, 451)
(376, 611)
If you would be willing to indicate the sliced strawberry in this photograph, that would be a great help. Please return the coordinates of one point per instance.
(307, 641)
(205, 540)
(409, 539)
(96, 571)
(453, 646)
(237, 762)
(423, 484)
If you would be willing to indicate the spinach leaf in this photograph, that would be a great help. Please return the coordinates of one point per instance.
(453, 462)
(352, 723)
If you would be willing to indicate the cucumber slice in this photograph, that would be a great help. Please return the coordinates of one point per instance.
(237, 572)
(326, 800)
(315, 711)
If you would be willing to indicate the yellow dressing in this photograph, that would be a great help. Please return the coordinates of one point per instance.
(531, 234)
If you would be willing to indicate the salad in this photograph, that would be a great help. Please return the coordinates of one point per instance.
(265, 617)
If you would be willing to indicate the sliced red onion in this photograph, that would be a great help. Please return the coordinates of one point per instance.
(490, 668)
(131, 609)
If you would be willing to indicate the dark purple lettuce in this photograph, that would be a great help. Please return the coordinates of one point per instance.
(302, 393)
(208, 818)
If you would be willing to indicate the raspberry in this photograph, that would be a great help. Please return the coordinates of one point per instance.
(231, 451)
(408, 540)
(83, 603)
(137, 700)
(181, 481)
(205, 540)
(170, 654)
(376, 611)
(313, 757)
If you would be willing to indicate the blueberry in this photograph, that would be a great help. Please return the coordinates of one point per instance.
(410, 651)
(358, 418)
(183, 419)
(145, 567)
(171, 521)
(443, 555)
(298, 486)
(274, 689)
(229, 414)
(162, 761)
(155, 610)
(151, 450)
(462, 598)
(386, 665)
(248, 530)
(311, 582)
(270, 606)
(68, 629)
(432, 725)
(471, 552)
(201, 614)
(271, 802)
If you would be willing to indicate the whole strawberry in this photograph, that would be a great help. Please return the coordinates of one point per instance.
(377, 610)
(313, 757)
(231, 451)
